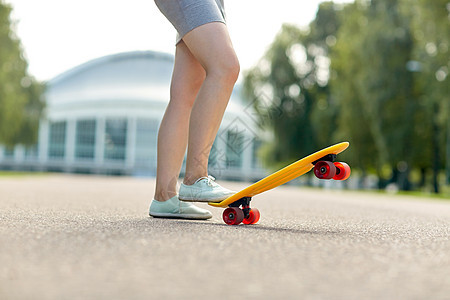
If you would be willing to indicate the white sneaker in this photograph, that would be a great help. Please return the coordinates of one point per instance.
(174, 208)
(205, 189)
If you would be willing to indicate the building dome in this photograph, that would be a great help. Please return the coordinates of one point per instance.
(103, 117)
(132, 76)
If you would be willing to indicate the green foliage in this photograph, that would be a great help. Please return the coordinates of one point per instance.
(20, 95)
(285, 85)
(371, 77)
(431, 23)
(374, 73)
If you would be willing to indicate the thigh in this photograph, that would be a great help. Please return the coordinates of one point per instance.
(185, 15)
(211, 46)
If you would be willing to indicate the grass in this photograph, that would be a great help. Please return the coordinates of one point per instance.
(443, 195)
(5, 174)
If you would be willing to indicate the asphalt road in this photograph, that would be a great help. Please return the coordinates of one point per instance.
(78, 237)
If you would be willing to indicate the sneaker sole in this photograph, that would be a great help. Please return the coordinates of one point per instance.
(203, 200)
(179, 216)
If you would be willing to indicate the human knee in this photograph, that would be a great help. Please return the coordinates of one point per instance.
(234, 69)
(226, 70)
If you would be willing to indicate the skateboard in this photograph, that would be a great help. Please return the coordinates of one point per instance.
(325, 167)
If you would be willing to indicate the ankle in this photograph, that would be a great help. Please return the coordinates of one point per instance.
(191, 179)
(163, 196)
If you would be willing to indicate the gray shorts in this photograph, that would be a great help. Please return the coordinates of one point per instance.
(186, 15)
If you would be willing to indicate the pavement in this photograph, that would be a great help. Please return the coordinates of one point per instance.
(81, 237)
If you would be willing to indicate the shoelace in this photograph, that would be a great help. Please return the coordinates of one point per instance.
(210, 180)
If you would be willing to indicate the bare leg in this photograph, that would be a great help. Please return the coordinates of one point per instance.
(211, 46)
(188, 76)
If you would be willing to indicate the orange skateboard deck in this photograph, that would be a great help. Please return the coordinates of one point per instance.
(322, 161)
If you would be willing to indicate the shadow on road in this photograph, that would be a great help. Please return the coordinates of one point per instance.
(177, 224)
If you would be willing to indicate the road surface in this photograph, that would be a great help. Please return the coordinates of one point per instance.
(80, 237)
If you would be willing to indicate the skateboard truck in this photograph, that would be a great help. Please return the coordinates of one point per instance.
(234, 215)
(245, 202)
(329, 157)
(327, 168)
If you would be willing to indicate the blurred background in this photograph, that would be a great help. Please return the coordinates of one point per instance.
(84, 85)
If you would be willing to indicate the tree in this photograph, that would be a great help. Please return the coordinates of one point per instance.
(371, 72)
(354, 119)
(21, 103)
(431, 25)
(376, 54)
(289, 89)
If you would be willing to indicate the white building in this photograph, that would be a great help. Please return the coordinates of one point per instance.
(102, 117)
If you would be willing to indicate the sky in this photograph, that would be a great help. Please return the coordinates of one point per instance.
(58, 35)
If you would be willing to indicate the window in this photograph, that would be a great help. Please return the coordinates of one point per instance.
(115, 139)
(57, 140)
(31, 152)
(256, 146)
(234, 149)
(85, 139)
(8, 152)
(146, 136)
